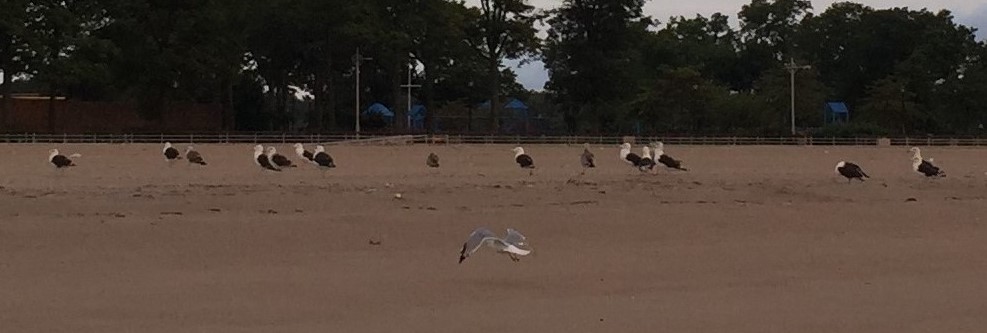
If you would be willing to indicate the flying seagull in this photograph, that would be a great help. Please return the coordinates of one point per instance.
(850, 171)
(924, 167)
(512, 245)
(193, 156)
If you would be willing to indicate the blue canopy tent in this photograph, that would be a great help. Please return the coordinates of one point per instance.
(513, 121)
(836, 112)
(418, 117)
(380, 110)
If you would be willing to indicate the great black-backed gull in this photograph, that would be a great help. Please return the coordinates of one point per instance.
(193, 157)
(60, 161)
(512, 245)
(628, 157)
(322, 158)
(924, 167)
(647, 163)
(432, 161)
(850, 171)
(523, 159)
(262, 160)
(666, 160)
(587, 159)
(278, 159)
(170, 153)
(304, 154)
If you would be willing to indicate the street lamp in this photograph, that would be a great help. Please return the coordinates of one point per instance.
(792, 68)
(411, 69)
(357, 61)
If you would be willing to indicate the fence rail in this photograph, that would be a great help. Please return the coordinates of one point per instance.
(352, 139)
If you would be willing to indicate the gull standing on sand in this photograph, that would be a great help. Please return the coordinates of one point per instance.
(322, 158)
(193, 157)
(587, 160)
(278, 159)
(304, 154)
(512, 245)
(262, 160)
(432, 161)
(59, 161)
(628, 157)
(924, 167)
(170, 153)
(850, 171)
(668, 161)
(524, 160)
(647, 163)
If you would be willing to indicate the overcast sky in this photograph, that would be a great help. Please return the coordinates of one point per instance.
(967, 12)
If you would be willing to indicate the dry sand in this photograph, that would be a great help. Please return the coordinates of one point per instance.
(752, 239)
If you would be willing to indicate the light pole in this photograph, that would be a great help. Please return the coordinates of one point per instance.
(357, 61)
(792, 68)
(410, 86)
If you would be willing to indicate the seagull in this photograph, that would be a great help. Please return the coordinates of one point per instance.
(850, 171)
(170, 153)
(193, 156)
(278, 159)
(262, 160)
(322, 158)
(668, 161)
(647, 163)
(924, 167)
(432, 161)
(59, 161)
(628, 157)
(524, 160)
(587, 160)
(304, 154)
(510, 245)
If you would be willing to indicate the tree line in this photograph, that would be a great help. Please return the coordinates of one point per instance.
(612, 69)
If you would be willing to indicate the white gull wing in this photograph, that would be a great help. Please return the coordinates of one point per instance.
(477, 238)
(514, 238)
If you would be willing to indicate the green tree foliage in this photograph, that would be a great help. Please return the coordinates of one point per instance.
(612, 70)
(593, 57)
(498, 30)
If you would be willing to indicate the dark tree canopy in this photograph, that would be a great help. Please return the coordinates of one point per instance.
(612, 69)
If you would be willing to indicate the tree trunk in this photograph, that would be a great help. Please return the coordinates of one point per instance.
(494, 96)
(317, 122)
(226, 104)
(330, 100)
(428, 88)
(400, 107)
(4, 100)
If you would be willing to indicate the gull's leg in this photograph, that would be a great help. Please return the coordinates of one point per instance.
(513, 257)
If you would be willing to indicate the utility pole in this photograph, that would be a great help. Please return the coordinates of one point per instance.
(357, 61)
(792, 68)
(410, 86)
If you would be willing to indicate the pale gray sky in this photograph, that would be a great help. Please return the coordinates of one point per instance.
(967, 12)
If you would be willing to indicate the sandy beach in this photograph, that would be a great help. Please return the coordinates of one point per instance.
(751, 239)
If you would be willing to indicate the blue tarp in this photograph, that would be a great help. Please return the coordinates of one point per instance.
(418, 117)
(519, 108)
(837, 107)
(380, 110)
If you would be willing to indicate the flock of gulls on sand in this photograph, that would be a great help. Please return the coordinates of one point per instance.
(513, 244)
